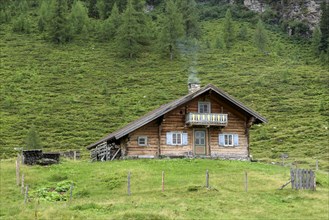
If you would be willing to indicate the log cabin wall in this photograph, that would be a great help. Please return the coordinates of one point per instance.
(175, 121)
(151, 132)
(236, 125)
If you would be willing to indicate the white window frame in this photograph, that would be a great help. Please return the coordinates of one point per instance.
(174, 140)
(208, 104)
(228, 137)
(140, 138)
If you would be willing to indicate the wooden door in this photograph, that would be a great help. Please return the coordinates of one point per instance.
(199, 142)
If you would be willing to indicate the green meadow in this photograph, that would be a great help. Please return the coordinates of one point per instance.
(77, 93)
(100, 191)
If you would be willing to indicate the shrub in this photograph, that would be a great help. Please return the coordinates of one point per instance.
(22, 24)
(33, 140)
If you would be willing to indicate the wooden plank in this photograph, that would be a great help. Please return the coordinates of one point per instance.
(115, 154)
(307, 179)
(292, 177)
(296, 179)
(311, 180)
(301, 179)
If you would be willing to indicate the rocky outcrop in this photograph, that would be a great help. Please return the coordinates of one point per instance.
(255, 5)
(305, 11)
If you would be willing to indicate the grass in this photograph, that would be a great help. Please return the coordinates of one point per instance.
(77, 93)
(100, 191)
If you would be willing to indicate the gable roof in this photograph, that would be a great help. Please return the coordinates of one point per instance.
(162, 110)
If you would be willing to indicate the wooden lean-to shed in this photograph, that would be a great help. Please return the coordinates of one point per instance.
(205, 122)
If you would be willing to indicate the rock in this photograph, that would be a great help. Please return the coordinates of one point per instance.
(254, 5)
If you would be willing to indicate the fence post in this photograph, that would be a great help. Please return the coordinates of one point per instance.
(36, 210)
(26, 197)
(22, 185)
(71, 191)
(17, 171)
(162, 181)
(317, 164)
(246, 181)
(207, 179)
(74, 155)
(128, 183)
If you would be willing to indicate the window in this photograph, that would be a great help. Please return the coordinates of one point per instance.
(228, 140)
(204, 107)
(142, 141)
(176, 138)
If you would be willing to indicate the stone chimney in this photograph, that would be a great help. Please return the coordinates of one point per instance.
(193, 87)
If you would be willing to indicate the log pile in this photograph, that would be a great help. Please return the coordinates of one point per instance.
(104, 152)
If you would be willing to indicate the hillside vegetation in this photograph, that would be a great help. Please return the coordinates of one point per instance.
(78, 92)
(100, 191)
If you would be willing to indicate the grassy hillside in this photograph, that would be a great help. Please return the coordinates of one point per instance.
(100, 191)
(77, 93)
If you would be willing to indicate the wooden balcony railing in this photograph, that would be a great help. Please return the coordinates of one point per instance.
(206, 119)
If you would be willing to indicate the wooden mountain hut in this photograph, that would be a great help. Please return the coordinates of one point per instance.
(207, 122)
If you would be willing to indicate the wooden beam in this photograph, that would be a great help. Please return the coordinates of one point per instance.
(115, 154)
(159, 135)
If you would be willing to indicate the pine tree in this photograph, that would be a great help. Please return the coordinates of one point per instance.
(316, 41)
(172, 28)
(144, 22)
(324, 27)
(44, 15)
(190, 18)
(129, 32)
(111, 24)
(79, 17)
(33, 139)
(92, 9)
(228, 34)
(260, 37)
(59, 28)
(104, 8)
(22, 22)
(115, 17)
(243, 32)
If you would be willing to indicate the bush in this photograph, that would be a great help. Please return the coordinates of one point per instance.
(270, 16)
(22, 24)
(243, 33)
(33, 140)
(5, 16)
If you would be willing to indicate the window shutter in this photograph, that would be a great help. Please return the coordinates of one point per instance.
(221, 139)
(236, 140)
(169, 138)
(185, 139)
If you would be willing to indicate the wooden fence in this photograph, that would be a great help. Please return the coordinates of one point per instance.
(302, 179)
